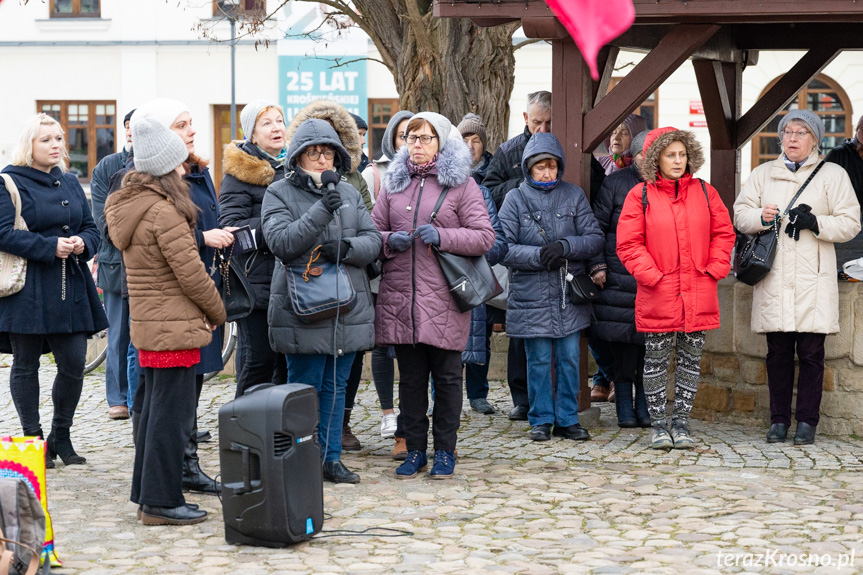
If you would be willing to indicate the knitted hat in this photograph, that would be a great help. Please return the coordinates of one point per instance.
(128, 117)
(472, 124)
(637, 144)
(158, 150)
(540, 157)
(441, 125)
(361, 124)
(164, 110)
(251, 111)
(808, 117)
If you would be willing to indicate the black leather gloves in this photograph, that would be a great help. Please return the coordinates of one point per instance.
(335, 248)
(551, 255)
(801, 218)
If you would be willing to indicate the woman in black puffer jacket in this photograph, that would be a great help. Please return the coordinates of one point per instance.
(615, 310)
(250, 167)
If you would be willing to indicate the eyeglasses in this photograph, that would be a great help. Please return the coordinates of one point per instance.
(799, 135)
(425, 139)
(313, 153)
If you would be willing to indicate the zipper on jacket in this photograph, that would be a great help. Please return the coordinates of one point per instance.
(676, 188)
(414, 265)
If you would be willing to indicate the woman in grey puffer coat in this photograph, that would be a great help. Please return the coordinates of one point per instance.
(538, 308)
(298, 215)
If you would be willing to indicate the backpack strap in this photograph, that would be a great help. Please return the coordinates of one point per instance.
(704, 189)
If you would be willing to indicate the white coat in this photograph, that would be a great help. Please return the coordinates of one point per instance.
(801, 292)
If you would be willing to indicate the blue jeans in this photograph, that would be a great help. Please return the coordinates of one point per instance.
(132, 373)
(116, 382)
(317, 371)
(560, 407)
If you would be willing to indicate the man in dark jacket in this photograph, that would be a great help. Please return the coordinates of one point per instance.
(850, 156)
(109, 279)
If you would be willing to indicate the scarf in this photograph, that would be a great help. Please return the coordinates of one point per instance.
(315, 176)
(793, 166)
(544, 186)
(621, 160)
(279, 160)
(423, 170)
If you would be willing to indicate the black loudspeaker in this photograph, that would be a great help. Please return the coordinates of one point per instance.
(272, 484)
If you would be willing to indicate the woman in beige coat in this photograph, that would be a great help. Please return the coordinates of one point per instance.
(796, 304)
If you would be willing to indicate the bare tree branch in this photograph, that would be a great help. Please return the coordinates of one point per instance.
(526, 43)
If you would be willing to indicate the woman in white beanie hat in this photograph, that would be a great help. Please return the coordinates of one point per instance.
(175, 115)
(151, 219)
(797, 303)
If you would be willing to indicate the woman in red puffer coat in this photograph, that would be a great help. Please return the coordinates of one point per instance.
(675, 237)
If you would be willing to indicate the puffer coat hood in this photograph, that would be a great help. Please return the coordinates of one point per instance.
(660, 138)
(315, 132)
(177, 311)
(453, 167)
(543, 143)
(344, 125)
(242, 161)
(414, 304)
(388, 147)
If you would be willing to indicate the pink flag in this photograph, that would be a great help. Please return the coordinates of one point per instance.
(593, 23)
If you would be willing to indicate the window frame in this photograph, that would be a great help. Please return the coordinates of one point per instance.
(76, 11)
(218, 144)
(372, 102)
(92, 127)
(757, 158)
(646, 103)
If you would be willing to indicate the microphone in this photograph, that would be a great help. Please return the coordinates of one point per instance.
(330, 179)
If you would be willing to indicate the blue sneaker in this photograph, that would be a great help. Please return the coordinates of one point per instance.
(415, 462)
(444, 464)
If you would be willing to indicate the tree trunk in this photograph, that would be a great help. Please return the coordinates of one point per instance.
(449, 66)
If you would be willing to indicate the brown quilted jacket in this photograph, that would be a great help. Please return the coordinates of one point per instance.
(172, 301)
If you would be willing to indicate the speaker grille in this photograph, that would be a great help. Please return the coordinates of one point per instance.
(281, 443)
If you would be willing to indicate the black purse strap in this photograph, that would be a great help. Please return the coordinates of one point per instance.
(438, 204)
(803, 187)
(543, 234)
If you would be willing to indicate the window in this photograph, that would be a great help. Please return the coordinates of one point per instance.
(825, 97)
(648, 110)
(90, 131)
(380, 112)
(242, 7)
(75, 9)
(222, 131)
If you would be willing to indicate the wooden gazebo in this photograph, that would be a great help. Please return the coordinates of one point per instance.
(722, 37)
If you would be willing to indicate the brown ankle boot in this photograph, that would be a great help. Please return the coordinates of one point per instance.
(349, 440)
(400, 449)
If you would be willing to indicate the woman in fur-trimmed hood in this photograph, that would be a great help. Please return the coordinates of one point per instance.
(346, 128)
(675, 237)
(415, 311)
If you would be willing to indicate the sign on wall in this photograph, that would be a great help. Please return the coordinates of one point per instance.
(304, 79)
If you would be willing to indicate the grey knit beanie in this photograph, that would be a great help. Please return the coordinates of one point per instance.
(251, 111)
(637, 144)
(808, 117)
(441, 125)
(472, 124)
(536, 158)
(165, 110)
(158, 150)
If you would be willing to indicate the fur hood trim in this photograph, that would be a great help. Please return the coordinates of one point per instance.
(344, 124)
(657, 140)
(453, 167)
(246, 167)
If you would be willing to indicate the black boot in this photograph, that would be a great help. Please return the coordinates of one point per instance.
(60, 443)
(623, 404)
(194, 478)
(641, 412)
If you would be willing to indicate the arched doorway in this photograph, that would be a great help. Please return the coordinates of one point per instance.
(825, 97)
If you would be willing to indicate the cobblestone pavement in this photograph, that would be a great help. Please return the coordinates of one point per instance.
(608, 505)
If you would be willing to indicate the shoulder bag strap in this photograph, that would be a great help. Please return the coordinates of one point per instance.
(704, 189)
(644, 201)
(437, 205)
(535, 219)
(377, 175)
(803, 187)
(16, 197)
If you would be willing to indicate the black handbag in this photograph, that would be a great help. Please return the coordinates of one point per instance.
(470, 279)
(319, 290)
(754, 253)
(237, 293)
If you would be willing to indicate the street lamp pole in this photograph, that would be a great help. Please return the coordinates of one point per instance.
(230, 9)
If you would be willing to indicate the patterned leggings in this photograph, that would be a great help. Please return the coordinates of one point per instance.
(657, 353)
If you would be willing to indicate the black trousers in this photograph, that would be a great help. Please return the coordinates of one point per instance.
(167, 414)
(780, 375)
(416, 363)
(516, 372)
(256, 362)
(353, 384)
(70, 351)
